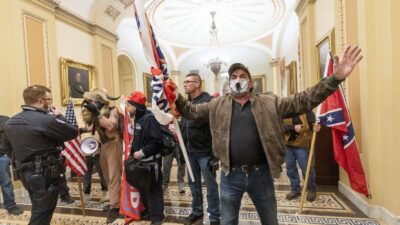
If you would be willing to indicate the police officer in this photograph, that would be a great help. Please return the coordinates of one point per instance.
(36, 139)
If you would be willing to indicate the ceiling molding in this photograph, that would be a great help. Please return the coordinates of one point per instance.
(302, 5)
(77, 21)
(48, 4)
(112, 12)
(126, 3)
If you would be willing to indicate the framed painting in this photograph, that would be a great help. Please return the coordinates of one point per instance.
(323, 47)
(76, 79)
(147, 88)
(291, 78)
(259, 84)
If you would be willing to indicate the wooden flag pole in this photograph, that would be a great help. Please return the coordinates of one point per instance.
(303, 193)
(81, 196)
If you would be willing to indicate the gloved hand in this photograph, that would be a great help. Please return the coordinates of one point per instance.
(91, 107)
(213, 164)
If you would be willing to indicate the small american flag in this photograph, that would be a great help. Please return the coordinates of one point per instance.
(74, 157)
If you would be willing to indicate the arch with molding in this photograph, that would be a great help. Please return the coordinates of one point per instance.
(127, 73)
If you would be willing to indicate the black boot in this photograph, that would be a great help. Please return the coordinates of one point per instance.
(113, 214)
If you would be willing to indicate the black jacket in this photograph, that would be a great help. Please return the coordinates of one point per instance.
(146, 137)
(197, 134)
(33, 131)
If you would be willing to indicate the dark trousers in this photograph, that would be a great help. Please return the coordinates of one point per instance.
(87, 178)
(153, 198)
(43, 192)
(63, 188)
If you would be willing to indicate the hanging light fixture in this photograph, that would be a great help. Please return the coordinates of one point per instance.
(214, 61)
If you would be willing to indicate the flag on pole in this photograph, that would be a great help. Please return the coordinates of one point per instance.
(74, 157)
(130, 204)
(333, 112)
(163, 97)
(164, 89)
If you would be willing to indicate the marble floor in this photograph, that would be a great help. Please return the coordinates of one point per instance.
(330, 207)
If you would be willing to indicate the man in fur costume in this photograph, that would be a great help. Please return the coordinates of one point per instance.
(108, 122)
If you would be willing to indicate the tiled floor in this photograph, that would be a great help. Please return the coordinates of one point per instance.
(330, 207)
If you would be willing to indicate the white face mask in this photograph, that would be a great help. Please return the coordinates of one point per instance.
(239, 86)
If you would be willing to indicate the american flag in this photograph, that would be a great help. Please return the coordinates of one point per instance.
(74, 157)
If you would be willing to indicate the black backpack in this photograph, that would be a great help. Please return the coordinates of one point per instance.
(167, 138)
(168, 141)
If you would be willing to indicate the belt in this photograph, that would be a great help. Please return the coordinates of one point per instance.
(247, 168)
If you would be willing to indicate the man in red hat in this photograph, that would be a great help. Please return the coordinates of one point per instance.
(145, 147)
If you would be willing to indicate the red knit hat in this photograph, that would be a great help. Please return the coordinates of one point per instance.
(137, 98)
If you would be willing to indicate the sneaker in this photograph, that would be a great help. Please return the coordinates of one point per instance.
(86, 199)
(193, 219)
(292, 195)
(215, 222)
(67, 199)
(181, 188)
(113, 214)
(106, 208)
(104, 196)
(156, 223)
(311, 196)
(164, 187)
(15, 211)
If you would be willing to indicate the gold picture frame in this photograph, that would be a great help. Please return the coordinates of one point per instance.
(76, 77)
(291, 78)
(203, 85)
(259, 84)
(324, 45)
(147, 77)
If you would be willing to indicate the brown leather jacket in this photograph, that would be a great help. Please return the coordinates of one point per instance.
(269, 110)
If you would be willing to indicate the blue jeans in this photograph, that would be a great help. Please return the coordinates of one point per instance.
(300, 155)
(260, 187)
(5, 182)
(199, 166)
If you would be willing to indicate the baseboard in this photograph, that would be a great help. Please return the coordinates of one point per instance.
(372, 211)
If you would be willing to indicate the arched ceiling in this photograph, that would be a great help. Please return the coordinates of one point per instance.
(182, 25)
(187, 23)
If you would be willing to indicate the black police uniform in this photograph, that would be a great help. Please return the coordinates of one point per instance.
(36, 139)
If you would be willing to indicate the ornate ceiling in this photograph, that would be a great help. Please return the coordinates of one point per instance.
(186, 23)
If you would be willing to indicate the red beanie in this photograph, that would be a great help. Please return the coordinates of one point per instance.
(136, 98)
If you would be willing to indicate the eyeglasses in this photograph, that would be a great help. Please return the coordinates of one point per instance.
(189, 81)
(48, 99)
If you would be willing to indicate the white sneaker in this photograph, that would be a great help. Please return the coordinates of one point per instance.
(181, 188)
(104, 196)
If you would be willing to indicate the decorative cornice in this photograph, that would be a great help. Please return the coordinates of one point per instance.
(49, 4)
(75, 20)
(301, 5)
(275, 61)
(67, 16)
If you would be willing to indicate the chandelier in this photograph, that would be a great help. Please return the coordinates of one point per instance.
(214, 61)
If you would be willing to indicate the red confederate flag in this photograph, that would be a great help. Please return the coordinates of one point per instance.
(333, 112)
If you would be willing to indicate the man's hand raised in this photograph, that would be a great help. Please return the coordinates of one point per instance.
(344, 65)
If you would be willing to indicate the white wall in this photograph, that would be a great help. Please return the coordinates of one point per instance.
(324, 9)
(289, 44)
(74, 44)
